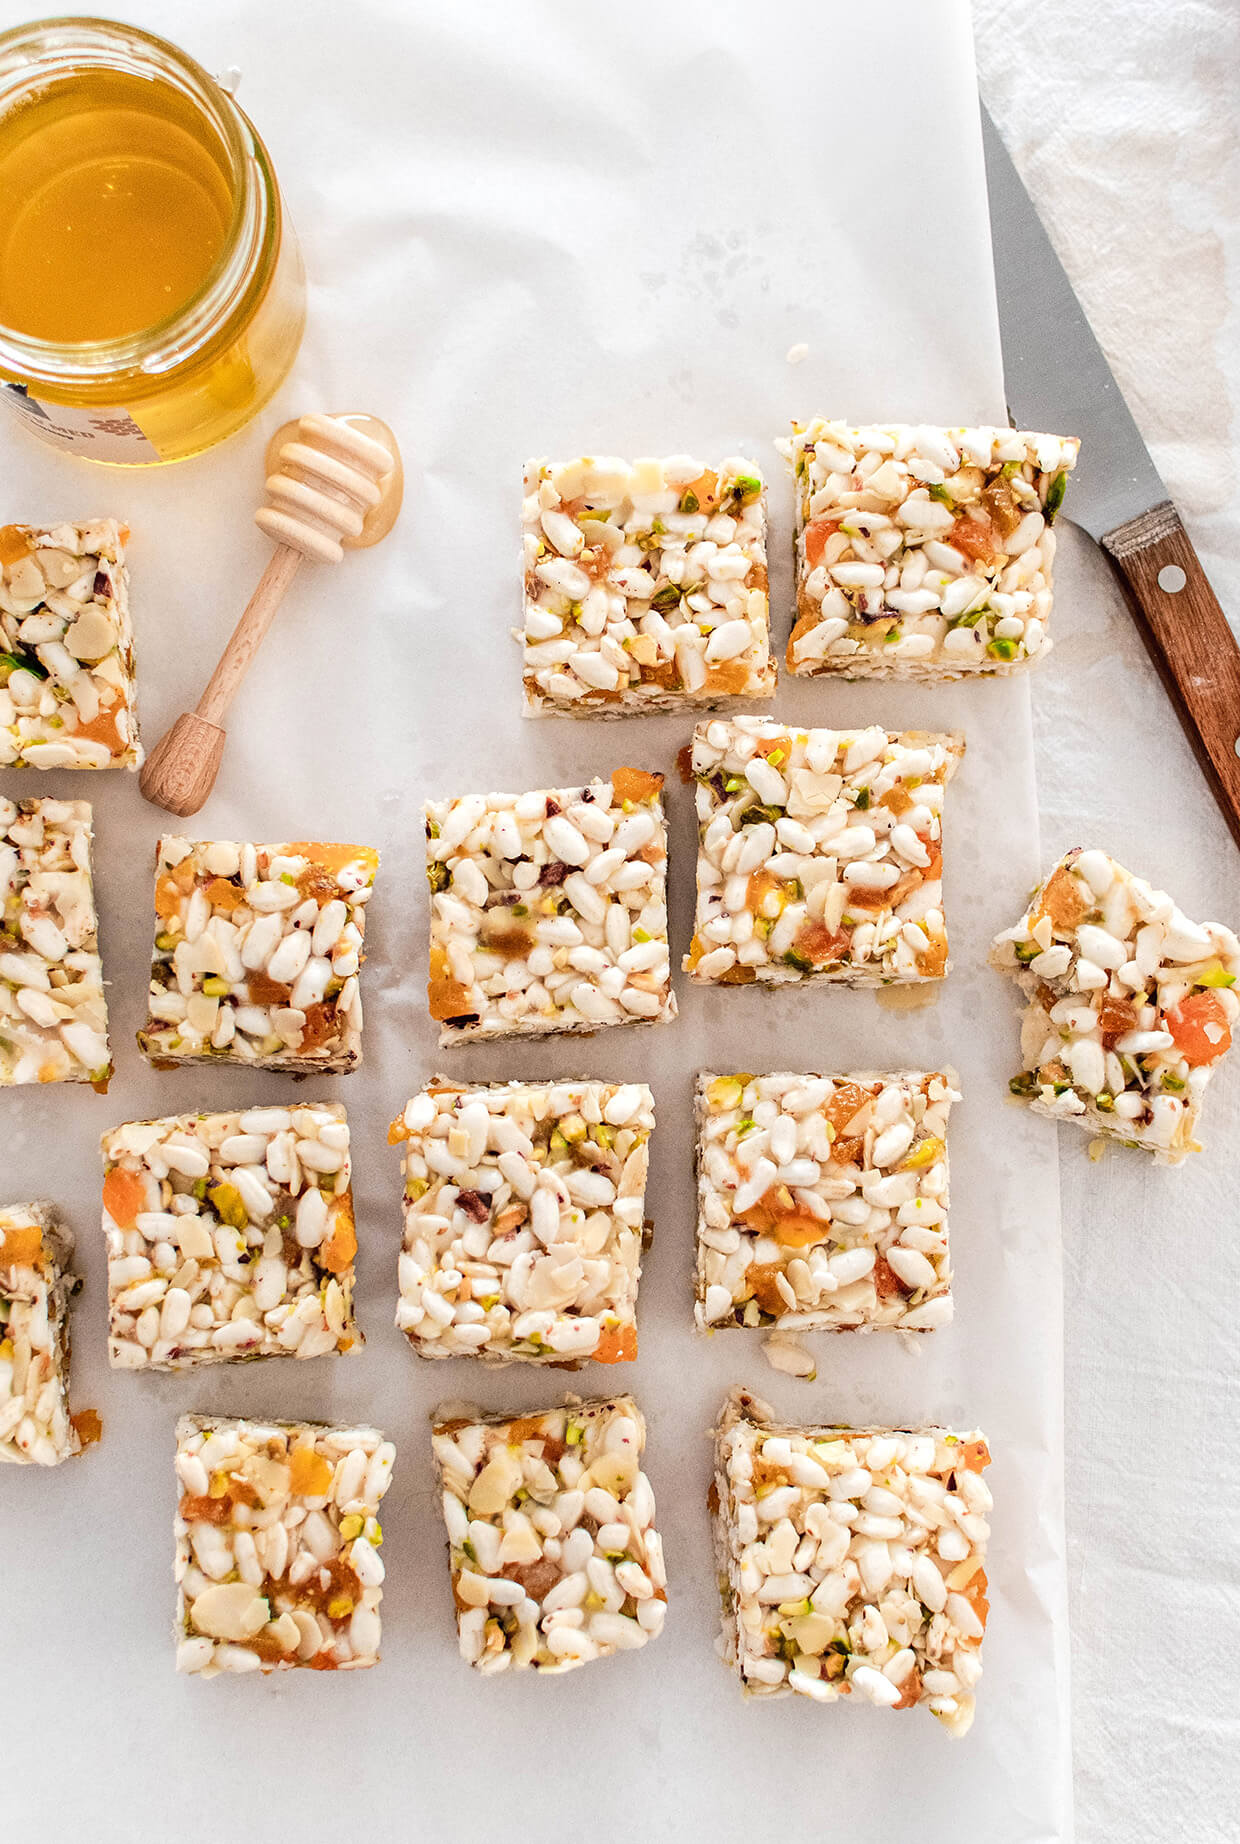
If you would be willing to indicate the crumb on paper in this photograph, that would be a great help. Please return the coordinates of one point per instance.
(798, 352)
(790, 1356)
(1097, 1150)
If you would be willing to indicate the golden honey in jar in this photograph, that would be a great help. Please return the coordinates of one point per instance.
(151, 291)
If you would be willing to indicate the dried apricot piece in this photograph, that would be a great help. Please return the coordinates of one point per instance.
(88, 1426)
(310, 1473)
(634, 784)
(447, 999)
(1200, 1027)
(337, 1252)
(14, 544)
(617, 1345)
(817, 533)
(22, 1245)
(1063, 900)
(124, 1195)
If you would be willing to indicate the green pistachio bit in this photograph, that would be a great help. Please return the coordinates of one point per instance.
(939, 490)
(746, 487)
(861, 800)
(1024, 1084)
(1175, 1084)
(733, 785)
(573, 1434)
(665, 598)
(23, 662)
(214, 987)
(438, 875)
(793, 959)
(1008, 469)
(1002, 649)
(746, 1124)
(1217, 975)
(1027, 951)
(1054, 495)
(689, 502)
(1105, 1102)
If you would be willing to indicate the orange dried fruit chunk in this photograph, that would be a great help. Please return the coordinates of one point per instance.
(975, 536)
(817, 943)
(1063, 899)
(337, 1252)
(447, 999)
(124, 1195)
(1115, 1018)
(22, 1244)
(847, 1100)
(223, 894)
(617, 1345)
(167, 898)
(761, 1280)
(974, 1456)
(310, 1473)
(817, 532)
(332, 857)
(684, 763)
(102, 729)
(729, 679)
(88, 1426)
(14, 544)
(1200, 1028)
(634, 784)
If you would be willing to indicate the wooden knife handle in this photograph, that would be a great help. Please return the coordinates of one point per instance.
(1189, 641)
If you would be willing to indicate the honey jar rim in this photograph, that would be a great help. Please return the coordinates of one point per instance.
(77, 41)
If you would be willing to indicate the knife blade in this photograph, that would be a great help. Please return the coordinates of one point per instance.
(1057, 378)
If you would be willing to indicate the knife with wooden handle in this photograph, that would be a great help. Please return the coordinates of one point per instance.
(1058, 378)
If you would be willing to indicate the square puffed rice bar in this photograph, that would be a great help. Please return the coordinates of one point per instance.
(277, 1545)
(257, 951)
(67, 693)
(852, 1559)
(645, 586)
(548, 910)
(923, 553)
(554, 1553)
(229, 1236)
(1130, 1007)
(523, 1220)
(822, 1201)
(53, 1015)
(36, 1283)
(820, 853)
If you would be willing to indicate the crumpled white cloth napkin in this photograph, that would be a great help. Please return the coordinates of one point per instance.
(1122, 120)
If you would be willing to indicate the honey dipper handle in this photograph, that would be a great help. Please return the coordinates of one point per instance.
(247, 636)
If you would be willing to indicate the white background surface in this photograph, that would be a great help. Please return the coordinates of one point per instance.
(520, 237)
(1122, 118)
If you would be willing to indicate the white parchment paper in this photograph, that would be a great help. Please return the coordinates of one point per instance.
(535, 228)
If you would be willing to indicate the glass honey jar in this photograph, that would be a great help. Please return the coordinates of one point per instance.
(152, 296)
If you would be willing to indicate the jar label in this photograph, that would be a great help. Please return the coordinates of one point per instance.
(95, 431)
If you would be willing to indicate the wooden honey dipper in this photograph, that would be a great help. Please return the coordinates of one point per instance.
(334, 483)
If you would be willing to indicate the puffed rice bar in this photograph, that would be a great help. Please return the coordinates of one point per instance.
(53, 1015)
(820, 853)
(551, 1533)
(36, 1284)
(229, 1236)
(851, 1559)
(523, 1220)
(645, 586)
(277, 1545)
(923, 553)
(822, 1201)
(548, 910)
(257, 951)
(67, 692)
(1130, 1007)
